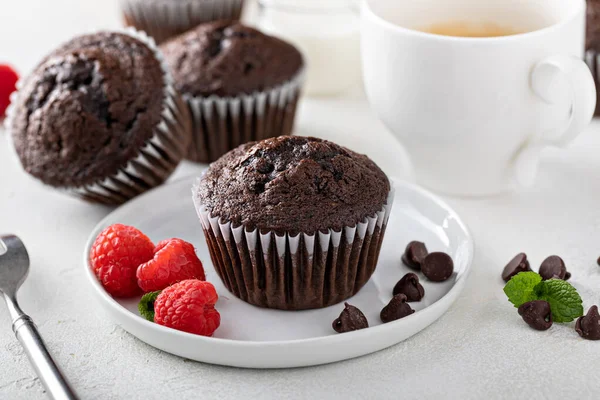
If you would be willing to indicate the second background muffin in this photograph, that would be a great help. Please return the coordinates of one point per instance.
(240, 85)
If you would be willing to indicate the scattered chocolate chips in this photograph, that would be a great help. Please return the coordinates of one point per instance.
(554, 267)
(351, 319)
(414, 254)
(437, 267)
(588, 326)
(396, 309)
(518, 264)
(410, 287)
(537, 314)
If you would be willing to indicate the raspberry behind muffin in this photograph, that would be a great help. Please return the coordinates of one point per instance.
(292, 222)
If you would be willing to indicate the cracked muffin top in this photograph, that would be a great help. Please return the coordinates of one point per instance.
(87, 109)
(227, 59)
(293, 184)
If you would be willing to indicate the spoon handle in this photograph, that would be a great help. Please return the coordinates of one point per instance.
(26, 332)
(55, 383)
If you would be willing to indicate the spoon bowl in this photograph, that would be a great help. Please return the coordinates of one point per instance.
(14, 264)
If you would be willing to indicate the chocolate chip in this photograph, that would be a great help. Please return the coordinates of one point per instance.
(598, 261)
(437, 267)
(351, 319)
(396, 309)
(537, 314)
(553, 267)
(410, 287)
(518, 264)
(588, 326)
(414, 254)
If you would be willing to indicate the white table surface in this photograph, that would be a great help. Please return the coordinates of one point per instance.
(479, 349)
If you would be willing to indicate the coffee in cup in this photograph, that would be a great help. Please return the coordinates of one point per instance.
(470, 29)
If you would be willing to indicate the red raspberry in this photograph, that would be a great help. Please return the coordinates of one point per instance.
(115, 256)
(8, 84)
(117, 280)
(174, 260)
(188, 306)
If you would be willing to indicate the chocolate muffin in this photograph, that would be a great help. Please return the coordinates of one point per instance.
(293, 222)
(240, 84)
(99, 118)
(163, 19)
(592, 45)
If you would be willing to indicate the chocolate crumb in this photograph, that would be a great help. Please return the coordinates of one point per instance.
(414, 254)
(537, 314)
(437, 267)
(518, 264)
(410, 286)
(553, 267)
(588, 326)
(351, 319)
(396, 309)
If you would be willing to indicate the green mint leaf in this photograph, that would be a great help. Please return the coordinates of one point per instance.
(146, 305)
(565, 302)
(520, 289)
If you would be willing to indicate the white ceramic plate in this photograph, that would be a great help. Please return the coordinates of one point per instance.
(260, 338)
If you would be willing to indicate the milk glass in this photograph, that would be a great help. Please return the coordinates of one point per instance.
(327, 33)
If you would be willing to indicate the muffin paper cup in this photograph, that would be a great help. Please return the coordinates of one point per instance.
(294, 272)
(163, 19)
(592, 59)
(155, 161)
(220, 124)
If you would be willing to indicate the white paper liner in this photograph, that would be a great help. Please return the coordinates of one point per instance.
(294, 272)
(220, 124)
(592, 59)
(156, 160)
(163, 19)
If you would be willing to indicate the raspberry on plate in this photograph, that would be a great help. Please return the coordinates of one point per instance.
(188, 306)
(115, 256)
(116, 280)
(8, 84)
(174, 260)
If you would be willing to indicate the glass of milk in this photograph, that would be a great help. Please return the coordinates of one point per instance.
(327, 33)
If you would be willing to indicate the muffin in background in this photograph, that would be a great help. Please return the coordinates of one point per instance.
(592, 45)
(240, 85)
(163, 19)
(292, 222)
(99, 118)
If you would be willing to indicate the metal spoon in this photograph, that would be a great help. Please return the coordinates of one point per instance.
(14, 266)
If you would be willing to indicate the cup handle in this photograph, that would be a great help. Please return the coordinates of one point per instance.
(544, 79)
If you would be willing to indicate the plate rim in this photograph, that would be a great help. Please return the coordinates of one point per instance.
(379, 329)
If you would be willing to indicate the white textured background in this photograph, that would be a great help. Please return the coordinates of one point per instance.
(480, 350)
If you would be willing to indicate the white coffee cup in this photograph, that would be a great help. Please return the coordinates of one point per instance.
(474, 113)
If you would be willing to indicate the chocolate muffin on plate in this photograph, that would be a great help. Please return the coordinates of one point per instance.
(293, 222)
(240, 85)
(163, 19)
(99, 118)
